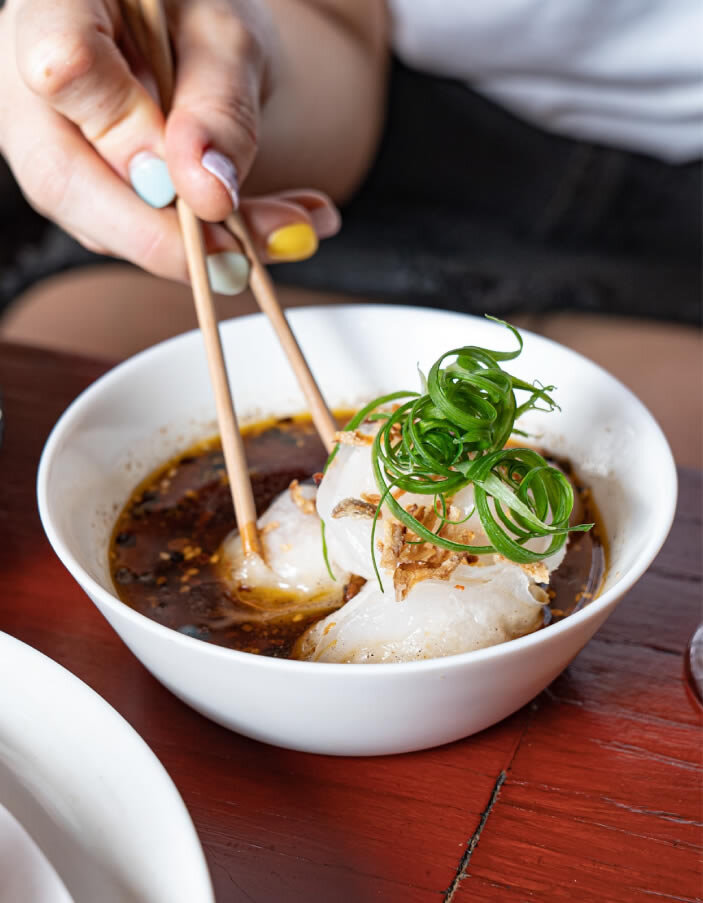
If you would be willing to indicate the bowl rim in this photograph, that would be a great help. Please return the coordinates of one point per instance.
(589, 612)
(69, 695)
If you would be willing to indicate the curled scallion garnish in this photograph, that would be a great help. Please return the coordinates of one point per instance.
(454, 435)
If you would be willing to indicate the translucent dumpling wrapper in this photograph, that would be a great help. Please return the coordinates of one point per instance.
(349, 480)
(292, 574)
(481, 605)
(348, 536)
(476, 604)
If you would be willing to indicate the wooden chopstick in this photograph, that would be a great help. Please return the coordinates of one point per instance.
(263, 290)
(132, 13)
(158, 48)
(232, 444)
(261, 284)
(152, 34)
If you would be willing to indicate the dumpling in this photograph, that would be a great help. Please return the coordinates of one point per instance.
(348, 533)
(435, 603)
(346, 501)
(481, 605)
(292, 572)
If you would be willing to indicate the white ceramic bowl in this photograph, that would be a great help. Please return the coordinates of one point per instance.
(95, 805)
(157, 403)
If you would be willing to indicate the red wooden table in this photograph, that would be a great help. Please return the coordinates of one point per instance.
(592, 792)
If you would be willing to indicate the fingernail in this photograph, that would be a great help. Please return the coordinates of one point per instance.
(228, 272)
(222, 168)
(150, 179)
(326, 220)
(294, 242)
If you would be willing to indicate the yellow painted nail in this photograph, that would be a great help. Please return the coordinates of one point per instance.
(294, 242)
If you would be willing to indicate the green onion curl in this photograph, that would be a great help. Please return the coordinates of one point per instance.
(454, 435)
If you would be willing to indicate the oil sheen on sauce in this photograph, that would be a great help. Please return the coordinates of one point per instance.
(164, 547)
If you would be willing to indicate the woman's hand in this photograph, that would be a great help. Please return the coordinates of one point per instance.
(89, 145)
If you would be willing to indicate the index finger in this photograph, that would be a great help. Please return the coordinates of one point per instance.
(68, 55)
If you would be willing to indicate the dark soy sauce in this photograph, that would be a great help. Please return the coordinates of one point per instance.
(164, 552)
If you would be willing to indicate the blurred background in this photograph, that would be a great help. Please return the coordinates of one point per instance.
(466, 207)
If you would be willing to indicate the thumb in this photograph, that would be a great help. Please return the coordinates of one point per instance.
(212, 131)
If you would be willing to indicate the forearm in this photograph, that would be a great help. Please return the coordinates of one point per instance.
(321, 124)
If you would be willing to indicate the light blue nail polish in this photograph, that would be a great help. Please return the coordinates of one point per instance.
(150, 179)
(228, 272)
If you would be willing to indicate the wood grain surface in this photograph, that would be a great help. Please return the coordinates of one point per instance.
(591, 793)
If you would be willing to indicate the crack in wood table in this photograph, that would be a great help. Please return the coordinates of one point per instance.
(590, 793)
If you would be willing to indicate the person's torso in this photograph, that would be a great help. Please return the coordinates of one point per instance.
(622, 72)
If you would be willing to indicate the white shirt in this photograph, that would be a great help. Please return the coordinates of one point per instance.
(627, 73)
